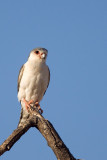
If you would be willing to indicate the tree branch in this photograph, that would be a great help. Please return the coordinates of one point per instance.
(35, 119)
(13, 138)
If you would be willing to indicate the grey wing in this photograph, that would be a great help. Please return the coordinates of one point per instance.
(48, 79)
(20, 77)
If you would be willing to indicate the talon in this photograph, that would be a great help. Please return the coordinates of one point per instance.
(27, 103)
(38, 106)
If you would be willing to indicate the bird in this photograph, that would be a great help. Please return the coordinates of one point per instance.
(33, 81)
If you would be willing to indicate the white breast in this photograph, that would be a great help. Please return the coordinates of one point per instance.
(34, 82)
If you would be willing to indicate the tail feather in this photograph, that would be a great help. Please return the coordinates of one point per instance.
(21, 116)
(24, 115)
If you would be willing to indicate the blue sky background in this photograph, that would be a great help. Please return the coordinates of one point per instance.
(75, 34)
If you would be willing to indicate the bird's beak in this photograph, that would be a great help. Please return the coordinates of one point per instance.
(42, 55)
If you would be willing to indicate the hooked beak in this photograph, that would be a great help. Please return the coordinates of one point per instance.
(42, 56)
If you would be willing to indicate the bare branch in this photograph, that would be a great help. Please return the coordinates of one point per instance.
(35, 119)
(14, 137)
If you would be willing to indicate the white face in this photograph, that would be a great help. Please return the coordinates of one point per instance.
(39, 54)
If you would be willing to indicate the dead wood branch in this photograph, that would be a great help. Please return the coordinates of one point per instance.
(35, 119)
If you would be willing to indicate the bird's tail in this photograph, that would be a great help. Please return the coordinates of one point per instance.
(21, 116)
(24, 115)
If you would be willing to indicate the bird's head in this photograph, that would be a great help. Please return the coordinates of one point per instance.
(38, 54)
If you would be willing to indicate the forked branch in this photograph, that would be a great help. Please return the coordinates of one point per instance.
(35, 119)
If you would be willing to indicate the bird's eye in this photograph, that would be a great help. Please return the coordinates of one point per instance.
(37, 52)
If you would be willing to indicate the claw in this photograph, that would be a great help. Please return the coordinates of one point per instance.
(38, 106)
(27, 103)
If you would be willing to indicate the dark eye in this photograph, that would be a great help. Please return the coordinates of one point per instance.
(37, 52)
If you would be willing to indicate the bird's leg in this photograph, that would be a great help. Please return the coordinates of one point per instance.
(38, 106)
(27, 103)
(30, 102)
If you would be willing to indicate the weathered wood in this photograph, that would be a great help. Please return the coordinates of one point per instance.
(35, 119)
(14, 137)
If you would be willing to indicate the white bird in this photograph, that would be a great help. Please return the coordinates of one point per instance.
(33, 80)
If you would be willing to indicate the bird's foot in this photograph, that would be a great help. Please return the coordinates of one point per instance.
(38, 107)
(27, 103)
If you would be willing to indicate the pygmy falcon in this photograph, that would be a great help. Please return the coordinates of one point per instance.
(33, 79)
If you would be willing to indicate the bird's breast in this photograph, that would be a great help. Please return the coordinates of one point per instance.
(34, 83)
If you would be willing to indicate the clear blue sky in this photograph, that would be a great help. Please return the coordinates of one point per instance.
(75, 34)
